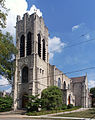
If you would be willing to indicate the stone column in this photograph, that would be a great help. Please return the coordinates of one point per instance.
(15, 87)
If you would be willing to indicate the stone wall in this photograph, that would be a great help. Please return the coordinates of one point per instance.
(79, 87)
(56, 75)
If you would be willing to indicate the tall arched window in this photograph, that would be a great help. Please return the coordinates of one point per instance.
(64, 85)
(25, 75)
(22, 46)
(29, 43)
(59, 83)
(39, 45)
(44, 50)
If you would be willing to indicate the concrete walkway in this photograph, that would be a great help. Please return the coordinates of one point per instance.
(49, 116)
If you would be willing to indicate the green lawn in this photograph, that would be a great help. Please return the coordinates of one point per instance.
(84, 114)
(49, 112)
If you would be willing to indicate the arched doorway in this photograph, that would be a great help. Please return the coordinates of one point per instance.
(69, 99)
(24, 100)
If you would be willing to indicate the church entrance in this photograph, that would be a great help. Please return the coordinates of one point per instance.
(24, 100)
(69, 99)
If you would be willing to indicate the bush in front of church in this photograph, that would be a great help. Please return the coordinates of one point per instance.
(5, 103)
(70, 106)
(51, 98)
(33, 104)
(64, 106)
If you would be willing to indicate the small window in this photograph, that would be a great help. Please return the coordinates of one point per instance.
(59, 83)
(40, 70)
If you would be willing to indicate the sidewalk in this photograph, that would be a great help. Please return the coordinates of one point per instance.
(49, 116)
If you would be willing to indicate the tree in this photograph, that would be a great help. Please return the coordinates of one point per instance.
(3, 13)
(7, 51)
(92, 91)
(7, 48)
(34, 103)
(51, 98)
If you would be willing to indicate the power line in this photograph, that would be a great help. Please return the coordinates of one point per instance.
(79, 43)
(58, 75)
(69, 47)
(80, 70)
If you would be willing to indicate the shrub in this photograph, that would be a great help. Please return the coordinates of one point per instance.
(51, 98)
(64, 106)
(33, 104)
(5, 103)
(92, 91)
(70, 106)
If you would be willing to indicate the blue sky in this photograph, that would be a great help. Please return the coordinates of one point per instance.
(61, 16)
(69, 22)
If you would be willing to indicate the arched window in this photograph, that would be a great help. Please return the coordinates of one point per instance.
(29, 43)
(25, 75)
(22, 46)
(64, 85)
(44, 50)
(39, 45)
(59, 83)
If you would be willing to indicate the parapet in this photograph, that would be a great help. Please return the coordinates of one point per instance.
(26, 16)
(18, 18)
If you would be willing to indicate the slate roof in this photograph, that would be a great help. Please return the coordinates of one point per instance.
(78, 79)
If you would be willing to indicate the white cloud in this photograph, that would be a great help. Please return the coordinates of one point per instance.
(3, 81)
(91, 83)
(91, 79)
(75, 27)
(17, 7)
(34, 9)
(51, 55)
(55, 46)
(9, 90)
(87, 36)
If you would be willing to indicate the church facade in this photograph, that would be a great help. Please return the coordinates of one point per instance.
(33, 71)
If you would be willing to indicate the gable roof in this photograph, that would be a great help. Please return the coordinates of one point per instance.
(78, 79)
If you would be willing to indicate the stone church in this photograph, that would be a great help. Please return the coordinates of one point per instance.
(33, 70)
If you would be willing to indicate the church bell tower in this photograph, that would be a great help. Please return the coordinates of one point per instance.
(32, 59)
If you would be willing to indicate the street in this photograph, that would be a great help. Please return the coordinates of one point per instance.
(21, 119)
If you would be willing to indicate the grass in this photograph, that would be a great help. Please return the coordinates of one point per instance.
(50, 112)
(83, 114)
